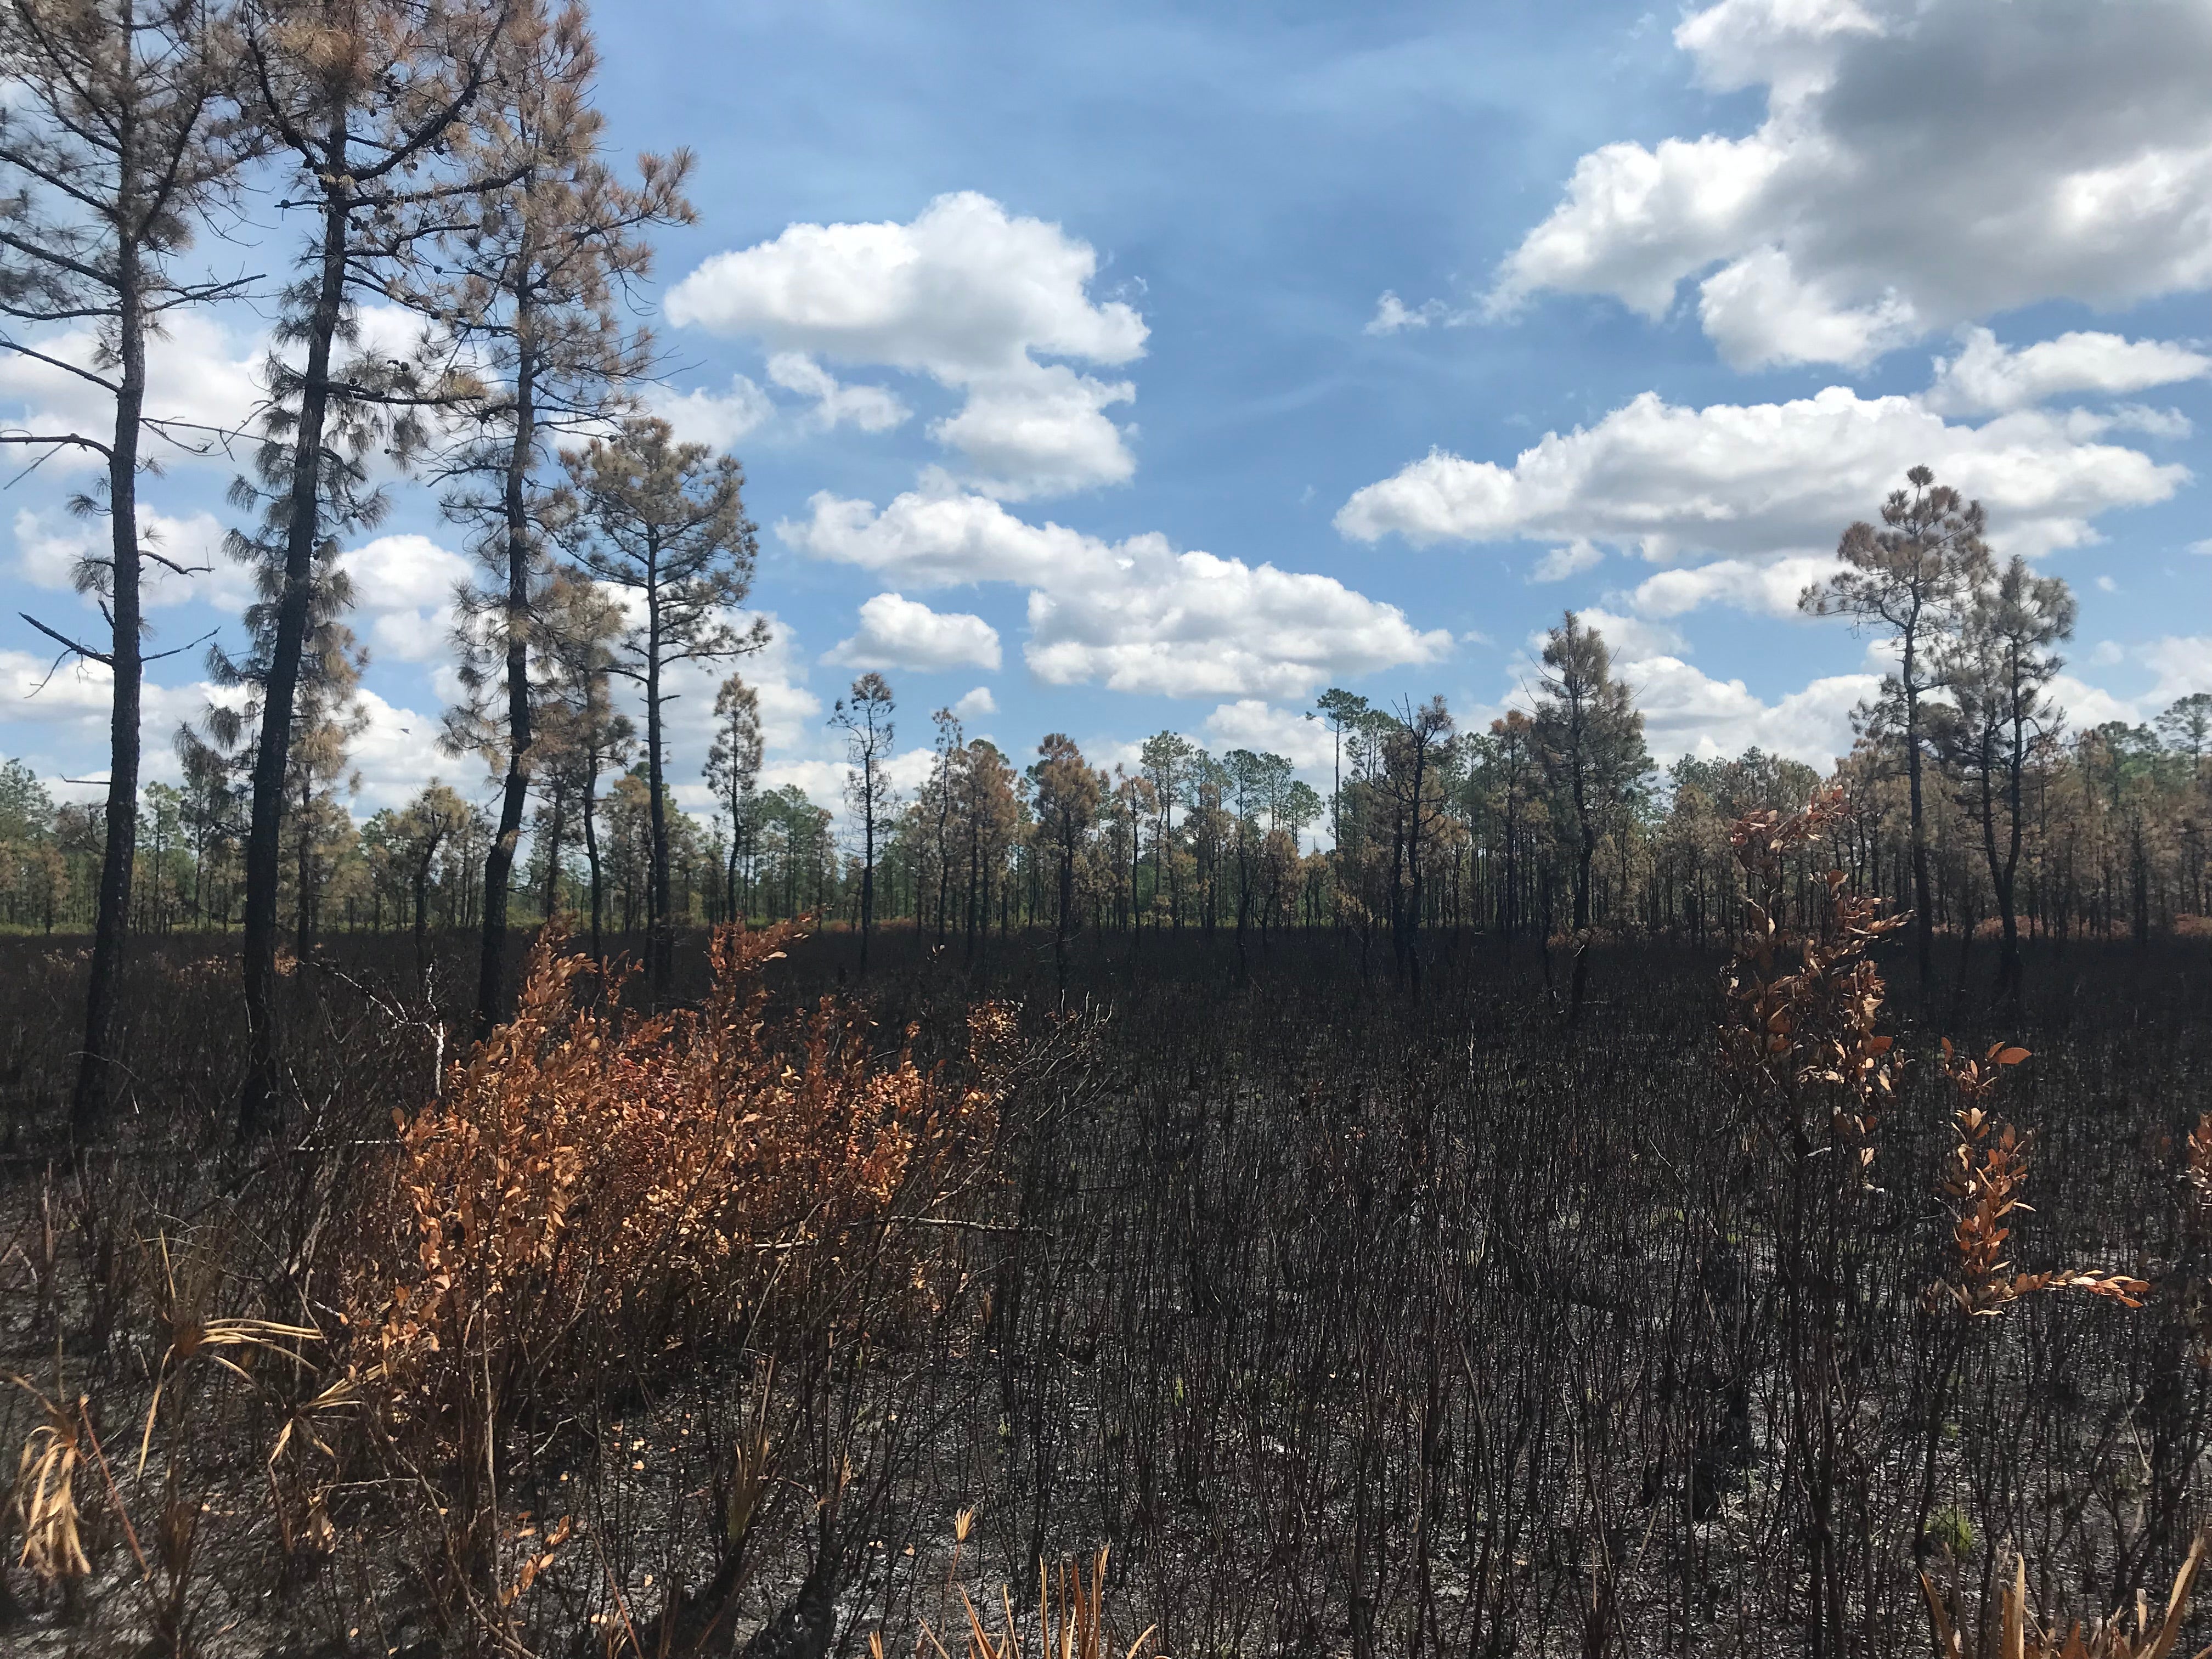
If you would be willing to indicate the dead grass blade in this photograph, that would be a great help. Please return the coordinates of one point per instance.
(45, 1502)
(2021, 1635)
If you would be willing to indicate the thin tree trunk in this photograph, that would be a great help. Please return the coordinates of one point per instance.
(423, 925)
(975, 875)
(2009, 972)
(660, 941)
(95, 1079)
(499, 863)
(554, 827)
(944, 861)
(259, 1108)
(304, 872)
(730, 869)
(592, 859)
(1585, 855)
(867, 857)
(1067, 907)
(1925, 929)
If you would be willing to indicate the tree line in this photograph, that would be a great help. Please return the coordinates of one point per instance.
(1975, 808)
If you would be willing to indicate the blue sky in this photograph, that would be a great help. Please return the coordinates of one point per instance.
(1130, 367)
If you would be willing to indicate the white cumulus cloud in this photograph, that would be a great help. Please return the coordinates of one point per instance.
(720, 419)
(975, 298)
(869, 408)
(2182, 664)
(1760, 310)
(1393, 315)
(402, 591)
(1577, 555)
(1632, 638)
(1135, 615)
(394, 755)
(1688, 711)
(1752, 480)
(1768, 586)
(937, 537)
(1040, 431)
(1256, 724)
(1921, 163)
(56, 716)
(397, 754)
(1193, 625)
(790, 714)
(47, 555)
(1986, 377)
(897, 632)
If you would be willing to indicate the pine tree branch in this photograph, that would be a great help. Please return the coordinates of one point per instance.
(69, 644)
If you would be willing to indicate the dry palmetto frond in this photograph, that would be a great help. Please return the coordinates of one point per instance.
(300, 1422)
(752, 1467)
(193, 1336)
(964, 1522)
(2019, 1635)
(45, 1503)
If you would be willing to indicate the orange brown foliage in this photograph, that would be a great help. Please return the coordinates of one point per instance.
(1805, 1004)
(597, 1190)
(1983, 1178)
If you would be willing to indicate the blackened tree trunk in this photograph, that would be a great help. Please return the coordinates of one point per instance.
(303, 870)
(514, 794)
(1066, 913)
(96, 1076)
(592, 859)
(258, 1106)
(1923, 911)
(660, 936)
(867, 862)
(556, 825)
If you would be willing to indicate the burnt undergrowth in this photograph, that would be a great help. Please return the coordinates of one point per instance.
(1347, 1320)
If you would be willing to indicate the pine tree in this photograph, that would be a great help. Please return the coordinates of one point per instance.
(527, 283)
(1413, 744)
(1591, 739)
(427, 826)
(579, 734)
(940, 797)
(326, 716)
(990, 810)
(363, 101)
(1166, 760)
(1341, 711)
(733, 764)
(1508, 764)
(119, 136)
(1999, 668)
(865, 717)
(1067, 792)
(664, 521)
(1909, 578)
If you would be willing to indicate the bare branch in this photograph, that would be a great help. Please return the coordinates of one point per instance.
(22, 350)
(70, 644)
